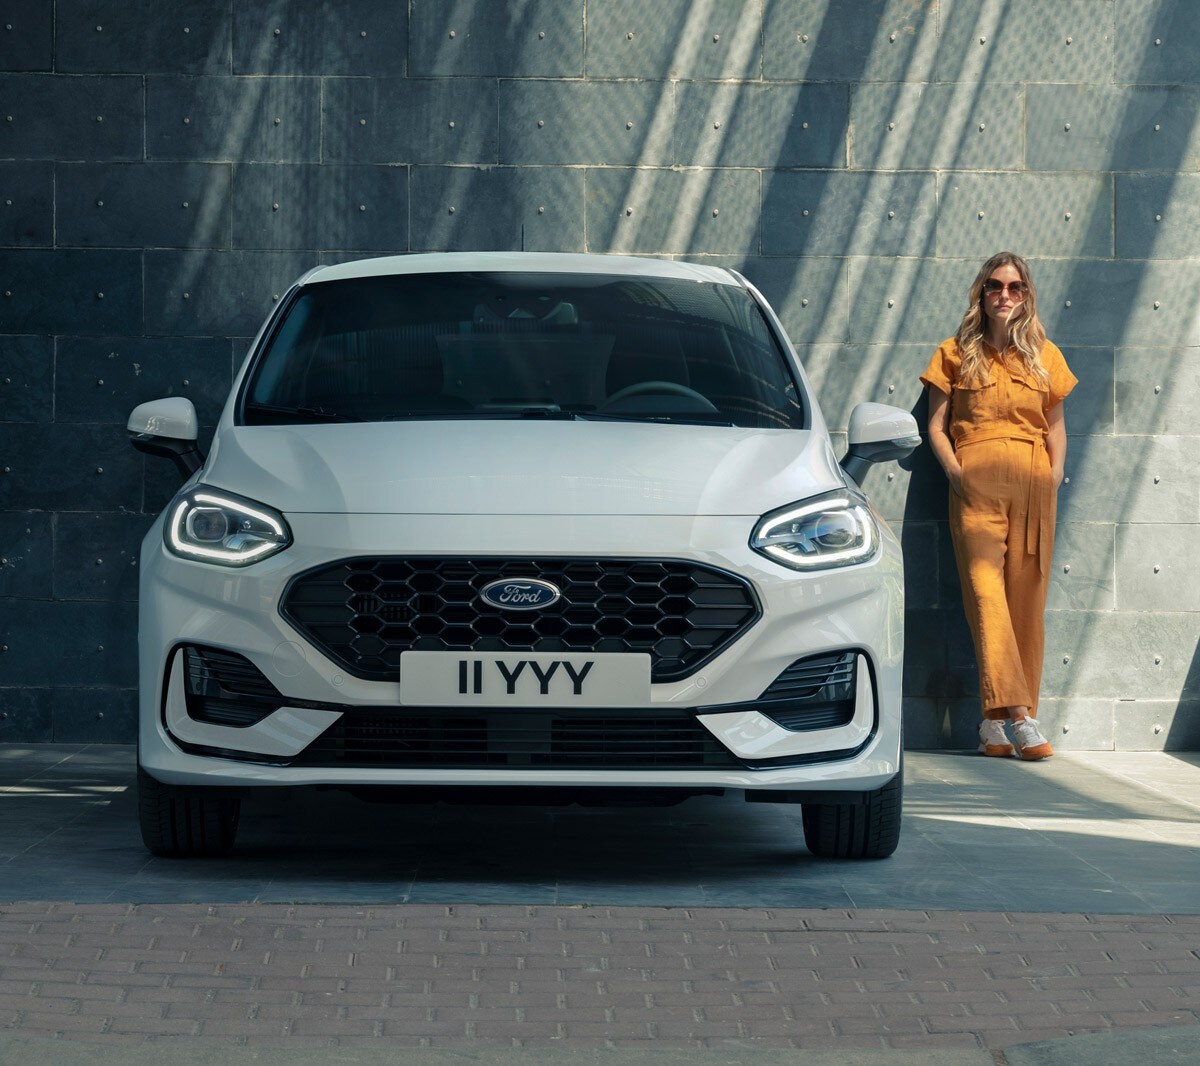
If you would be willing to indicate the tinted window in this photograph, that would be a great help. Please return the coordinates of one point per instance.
(504, 345)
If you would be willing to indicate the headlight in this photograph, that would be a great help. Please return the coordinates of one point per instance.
(218, 527)
(837, 529)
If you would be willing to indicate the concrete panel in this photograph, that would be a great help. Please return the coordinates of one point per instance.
(924, 724)
(960, 724)
(1156, 41)
(1082, 575)
(1025, 40)
(1156, 390)
(1078, 127)
(68, 468)
(395, 120)
(879, 213)
(366, 38)
(502, 208)
(238, 119)
(924, 652)
(766, 126)
(949, 589)
(913, 489)
(673, 211)
(305, 205)
(24, 715)
(1158, 725)
(26, 552)
(1112, 655)
(1119, 302)
(96, 556)
(70, 291)
(919, 300)
(808, 294)
(1156, 567)
(920, 543)
(534, 39)
(1080, 725)
(26, 204)
(101, 380)
(926, 126)
(1131, 479)
(47, 117)
(73, 643)
(599, 123)
(845, 375)
(27, 379)
(721, 39)
(1158, 216)
(93, 715)
(1064, 215)
(1089, 408)
(103, 36)
(848, 40)
(28, 36)
(137, 205)
(222, 293)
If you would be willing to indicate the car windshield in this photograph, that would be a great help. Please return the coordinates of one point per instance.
(510, 345)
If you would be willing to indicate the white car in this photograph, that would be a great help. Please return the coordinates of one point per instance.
(564, 524)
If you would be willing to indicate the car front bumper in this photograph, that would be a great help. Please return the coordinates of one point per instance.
(857, 609)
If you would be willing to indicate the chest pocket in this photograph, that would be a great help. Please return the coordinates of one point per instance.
(975, 405)
(1027, 399)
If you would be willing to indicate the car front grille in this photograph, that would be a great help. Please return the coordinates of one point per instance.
(364, 613)
(506, 739)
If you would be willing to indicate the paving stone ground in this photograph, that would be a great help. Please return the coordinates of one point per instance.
(435, 976)
(1027, 903)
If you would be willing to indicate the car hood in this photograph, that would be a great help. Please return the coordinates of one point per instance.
(521, 467)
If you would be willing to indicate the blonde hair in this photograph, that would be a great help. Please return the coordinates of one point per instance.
(1027, 333)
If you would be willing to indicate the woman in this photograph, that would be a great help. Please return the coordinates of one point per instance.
(996, 392)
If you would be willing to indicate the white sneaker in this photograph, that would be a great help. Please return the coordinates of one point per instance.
(993, 740)
(1030, 742)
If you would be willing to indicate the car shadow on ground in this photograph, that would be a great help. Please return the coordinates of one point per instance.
(1103, 832)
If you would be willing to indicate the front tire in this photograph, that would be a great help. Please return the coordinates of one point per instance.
(186, 822)
(869, 830)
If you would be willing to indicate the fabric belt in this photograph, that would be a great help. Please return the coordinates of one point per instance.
(1039, 535)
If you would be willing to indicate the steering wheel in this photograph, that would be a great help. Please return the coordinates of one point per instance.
(640, 388)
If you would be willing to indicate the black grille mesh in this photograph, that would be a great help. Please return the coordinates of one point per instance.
(365, 612)
(546, 740)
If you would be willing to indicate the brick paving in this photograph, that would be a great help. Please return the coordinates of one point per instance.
(458, 977)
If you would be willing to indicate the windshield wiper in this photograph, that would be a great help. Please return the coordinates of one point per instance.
(318, 414)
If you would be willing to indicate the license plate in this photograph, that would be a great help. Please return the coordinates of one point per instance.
(524, 679)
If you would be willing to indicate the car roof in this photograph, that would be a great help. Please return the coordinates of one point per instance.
(521, 262)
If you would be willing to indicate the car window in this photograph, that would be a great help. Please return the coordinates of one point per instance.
(509, 345)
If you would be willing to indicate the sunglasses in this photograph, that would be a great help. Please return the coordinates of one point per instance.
(1018, 289)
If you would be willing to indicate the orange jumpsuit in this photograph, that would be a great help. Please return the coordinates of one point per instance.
(1002, 525)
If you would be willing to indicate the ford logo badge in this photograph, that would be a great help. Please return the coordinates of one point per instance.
(520, 593)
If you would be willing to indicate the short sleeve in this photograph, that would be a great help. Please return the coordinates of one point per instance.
(942, 371)
(1062, 381)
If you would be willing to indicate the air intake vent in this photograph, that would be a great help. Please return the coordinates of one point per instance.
(224, 688)
(816, 692)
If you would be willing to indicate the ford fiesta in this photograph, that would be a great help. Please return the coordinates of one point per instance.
(564, 524)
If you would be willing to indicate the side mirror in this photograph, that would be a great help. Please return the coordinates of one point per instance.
(168, 428)
(878, 433)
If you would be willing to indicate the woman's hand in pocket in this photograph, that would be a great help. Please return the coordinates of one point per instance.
(955, 477)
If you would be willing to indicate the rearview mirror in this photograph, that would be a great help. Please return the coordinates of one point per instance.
(167, 427)
(878, 432)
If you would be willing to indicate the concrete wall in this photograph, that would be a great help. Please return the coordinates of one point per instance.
(167, 169)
